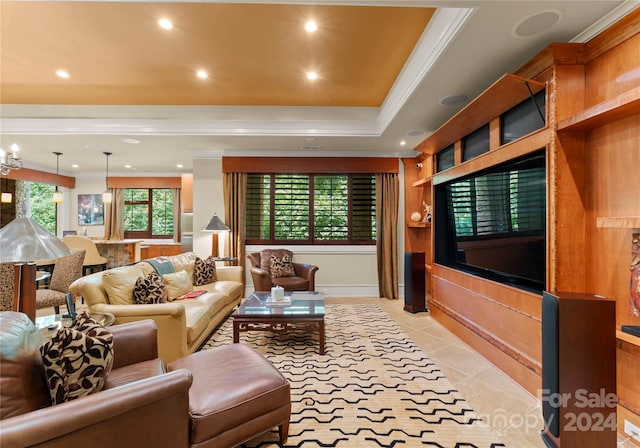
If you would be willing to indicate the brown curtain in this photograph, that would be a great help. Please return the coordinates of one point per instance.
(235, 199)
(114, 216)
(177, 206)
(387, 198)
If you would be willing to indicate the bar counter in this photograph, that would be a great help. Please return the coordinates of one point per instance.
(119, 252)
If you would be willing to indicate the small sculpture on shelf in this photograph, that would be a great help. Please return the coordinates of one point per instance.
(427, 212)
(634, 305)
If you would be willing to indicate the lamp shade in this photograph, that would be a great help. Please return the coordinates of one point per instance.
(25, 240)
(216, 225)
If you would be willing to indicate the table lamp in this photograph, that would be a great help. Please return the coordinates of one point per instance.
(24, 241)
(215, 226)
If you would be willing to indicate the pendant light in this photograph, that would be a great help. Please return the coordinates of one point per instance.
(106, 196)
(57, 195)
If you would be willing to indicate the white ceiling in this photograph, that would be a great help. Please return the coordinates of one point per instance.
(464, 49)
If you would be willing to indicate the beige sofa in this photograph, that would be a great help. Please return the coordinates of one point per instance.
(182, 324)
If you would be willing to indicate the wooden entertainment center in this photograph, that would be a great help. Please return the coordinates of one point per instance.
(593, 164)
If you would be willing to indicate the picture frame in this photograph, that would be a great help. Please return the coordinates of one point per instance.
(90, 210)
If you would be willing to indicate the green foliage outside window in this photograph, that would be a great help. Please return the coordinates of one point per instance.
(148, 212)
(323, 209)
(42, 207)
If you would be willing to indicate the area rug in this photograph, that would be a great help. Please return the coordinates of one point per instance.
(373, 387)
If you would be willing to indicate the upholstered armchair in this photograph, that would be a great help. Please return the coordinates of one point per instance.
(7, 282)
(138, 395)
(220, 397)
(66, 270)
(275, 267)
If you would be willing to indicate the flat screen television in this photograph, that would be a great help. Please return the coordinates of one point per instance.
(492, 223)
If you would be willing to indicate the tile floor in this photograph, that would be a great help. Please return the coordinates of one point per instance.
(512, 412)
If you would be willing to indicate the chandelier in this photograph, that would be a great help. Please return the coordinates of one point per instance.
(9, 162)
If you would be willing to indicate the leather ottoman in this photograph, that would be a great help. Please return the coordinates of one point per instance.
(236, 395)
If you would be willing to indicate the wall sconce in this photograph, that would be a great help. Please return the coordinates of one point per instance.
(6, 198)
(57, 195)
(215, 226)
(106, 196)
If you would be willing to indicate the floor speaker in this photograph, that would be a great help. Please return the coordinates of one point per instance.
(578, 370)
(414, 282)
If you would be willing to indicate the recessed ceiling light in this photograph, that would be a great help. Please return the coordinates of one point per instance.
(62, 74)
(202, 74)
(312, 75)
(402, 143)
(165, 24)
(130, 141)
(127, 166)
(179, 165)
(75, 165)
(310, 26)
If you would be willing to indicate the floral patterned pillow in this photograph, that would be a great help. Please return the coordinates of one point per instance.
(204, 271)
(77, 359)
(281, 267)
(149, 289)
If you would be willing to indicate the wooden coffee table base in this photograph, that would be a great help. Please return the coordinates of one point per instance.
(280, 324)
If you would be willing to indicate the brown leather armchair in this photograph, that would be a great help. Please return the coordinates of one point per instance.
(220, 397)
(138, 395)
(303, 280)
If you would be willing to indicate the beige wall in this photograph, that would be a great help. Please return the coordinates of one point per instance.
(69, 208)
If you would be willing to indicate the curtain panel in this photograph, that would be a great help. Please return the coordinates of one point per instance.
(177, 206)
(114, 216)
(387, 200)
(235, 200)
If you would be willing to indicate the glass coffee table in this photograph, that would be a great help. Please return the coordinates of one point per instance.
(300, 311)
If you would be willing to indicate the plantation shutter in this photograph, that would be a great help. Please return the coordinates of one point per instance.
(331, 207)
(258, 216)
(363, 207)
(291, 207)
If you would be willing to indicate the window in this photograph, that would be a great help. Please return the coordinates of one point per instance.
(445, 159)
(310, 209)
(526, 117)
(42, 209)
(148, 213)
(475, 143)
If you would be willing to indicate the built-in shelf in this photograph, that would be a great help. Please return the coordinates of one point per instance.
(625, 104)
(628, 338)
(419, 224)
(427, 267)
(618, 222)
(421, 182)
(501, 96)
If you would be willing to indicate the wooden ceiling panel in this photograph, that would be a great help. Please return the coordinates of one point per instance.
(255, 54)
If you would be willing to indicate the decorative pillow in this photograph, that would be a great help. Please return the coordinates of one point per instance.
(281, 267)
(204, 271)
(119, 284)
(177, 284)
(77, 359)
(266, 254)
(149, 289)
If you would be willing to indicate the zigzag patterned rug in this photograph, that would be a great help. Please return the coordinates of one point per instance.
(373, 388)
